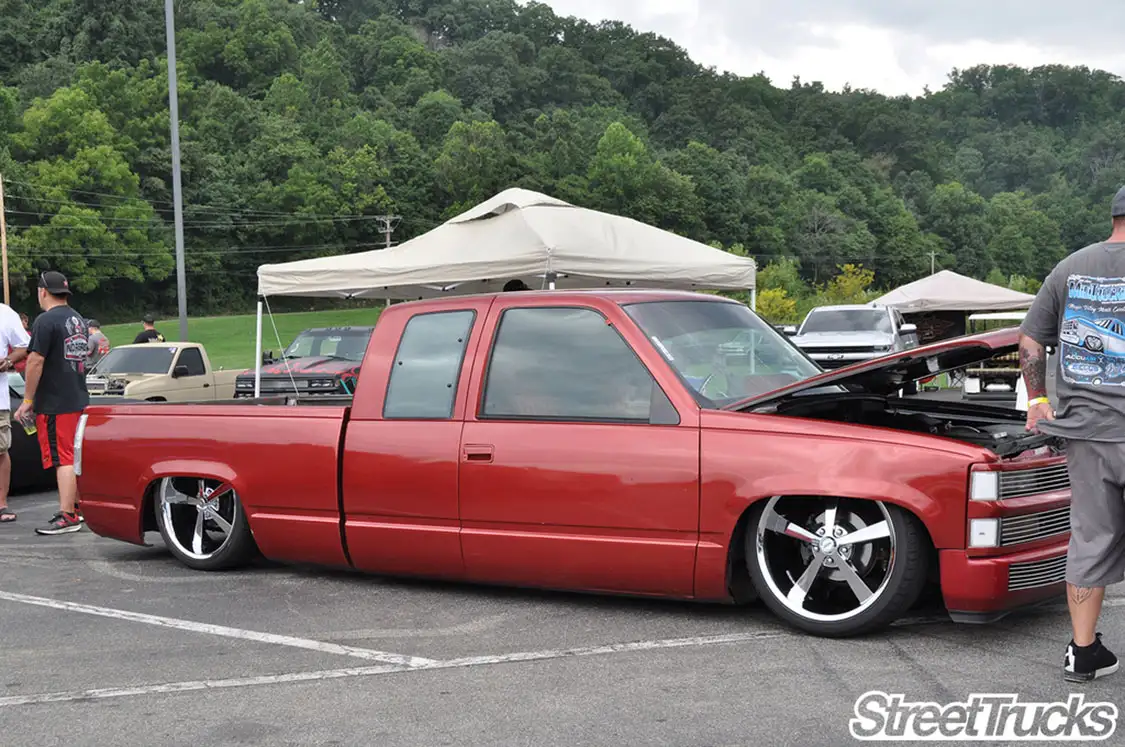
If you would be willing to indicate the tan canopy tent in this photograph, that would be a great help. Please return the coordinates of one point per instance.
(518, 234)
(948, 291)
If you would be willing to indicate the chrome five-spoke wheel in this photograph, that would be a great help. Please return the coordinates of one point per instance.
(835, 566)
(202, 522)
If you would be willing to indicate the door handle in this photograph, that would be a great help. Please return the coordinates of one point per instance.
(477, 452)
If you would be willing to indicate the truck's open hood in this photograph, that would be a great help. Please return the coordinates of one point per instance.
(888, 374)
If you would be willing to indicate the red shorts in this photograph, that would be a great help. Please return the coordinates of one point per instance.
(56, 438)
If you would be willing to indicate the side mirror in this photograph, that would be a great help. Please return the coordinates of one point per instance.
(789, 329)
(179, 371)
(909, 329)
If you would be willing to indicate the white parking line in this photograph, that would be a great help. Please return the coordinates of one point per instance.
(328, 674)
(221, 630)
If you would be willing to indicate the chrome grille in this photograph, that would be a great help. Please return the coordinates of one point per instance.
(1036, 573)
(1034, 481)
(1015, 530)
(834, 350)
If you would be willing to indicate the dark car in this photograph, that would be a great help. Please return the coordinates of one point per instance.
(27, 463)
(323, 361)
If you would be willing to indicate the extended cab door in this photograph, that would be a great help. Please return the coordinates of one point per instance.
(577, 471)
(190, 378)
(401, 445)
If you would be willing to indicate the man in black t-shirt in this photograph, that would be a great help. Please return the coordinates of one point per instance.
(149, 334)
(55, 390)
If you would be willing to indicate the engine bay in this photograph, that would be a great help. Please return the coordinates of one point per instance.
(1000, 430)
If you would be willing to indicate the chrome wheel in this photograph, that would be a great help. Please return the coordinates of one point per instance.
(825, 560)
(199, 517)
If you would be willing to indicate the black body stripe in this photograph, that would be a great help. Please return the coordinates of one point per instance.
(53, 440)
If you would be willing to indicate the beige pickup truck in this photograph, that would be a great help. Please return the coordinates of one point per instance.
(160, 372)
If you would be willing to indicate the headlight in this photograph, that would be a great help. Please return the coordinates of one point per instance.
(984, 486)
(79, 433)
(984, 533)
(244, 385)
(322, 384)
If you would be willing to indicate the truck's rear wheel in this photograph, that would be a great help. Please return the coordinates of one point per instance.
(203, 523)
(835, 567)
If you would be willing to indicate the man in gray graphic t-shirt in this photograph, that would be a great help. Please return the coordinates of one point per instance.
(1081, 310)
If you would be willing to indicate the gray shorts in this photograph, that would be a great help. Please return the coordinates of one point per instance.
(1096, 556)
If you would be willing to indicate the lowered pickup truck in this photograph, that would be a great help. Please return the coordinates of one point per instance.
(160, 372)
(582, 440)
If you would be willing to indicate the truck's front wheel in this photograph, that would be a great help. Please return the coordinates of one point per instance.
(203, 523)
(835, 567)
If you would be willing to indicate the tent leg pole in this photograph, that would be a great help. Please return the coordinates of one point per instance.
(258, 353)
(754, 299)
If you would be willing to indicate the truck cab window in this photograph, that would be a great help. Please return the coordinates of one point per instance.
(192, 358)
(565, 364)
(427, 366)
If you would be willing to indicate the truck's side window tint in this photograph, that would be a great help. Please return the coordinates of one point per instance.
(427, 366)
(192, 358)
(565, 364)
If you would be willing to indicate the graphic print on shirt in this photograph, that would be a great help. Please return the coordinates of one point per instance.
(76, 344)
(1092, 335)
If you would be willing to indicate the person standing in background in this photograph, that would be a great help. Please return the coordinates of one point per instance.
(149, 334)
(99, 343)
(22, 365)
(55, 391)
(13, 338)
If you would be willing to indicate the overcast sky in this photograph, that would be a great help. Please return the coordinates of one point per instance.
(893, 46)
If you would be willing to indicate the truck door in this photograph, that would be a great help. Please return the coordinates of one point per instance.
(190, 378)
(399, 476)
(576, 469)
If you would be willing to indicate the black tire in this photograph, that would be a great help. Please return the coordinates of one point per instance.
(907, 579)
(238, 548)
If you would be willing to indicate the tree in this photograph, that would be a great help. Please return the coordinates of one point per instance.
(775, 306)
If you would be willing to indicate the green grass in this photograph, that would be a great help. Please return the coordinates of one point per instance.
(229, 340)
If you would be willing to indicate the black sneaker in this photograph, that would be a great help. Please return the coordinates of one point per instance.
(61, 524)
(1085, 663)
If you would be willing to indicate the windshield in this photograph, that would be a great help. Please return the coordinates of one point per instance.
(143, 359)
(723, 351)
(346, 344)
(847, 320)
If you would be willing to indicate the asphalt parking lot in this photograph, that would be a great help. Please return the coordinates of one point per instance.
(104, 642)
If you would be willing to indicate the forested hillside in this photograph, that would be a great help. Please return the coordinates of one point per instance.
(301, 121)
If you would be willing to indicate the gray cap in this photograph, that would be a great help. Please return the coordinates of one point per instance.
(1119, 204)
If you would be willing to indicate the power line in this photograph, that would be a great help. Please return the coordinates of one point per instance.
(198, 207)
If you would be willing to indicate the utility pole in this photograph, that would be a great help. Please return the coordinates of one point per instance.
(388, 223)
(4, 243)
(177, 194)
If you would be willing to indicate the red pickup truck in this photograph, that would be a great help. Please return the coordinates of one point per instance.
(639, 442)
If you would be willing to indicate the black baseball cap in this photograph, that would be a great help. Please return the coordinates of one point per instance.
(149, 319)
(93, 323)
(54, 283)
(1119, 204)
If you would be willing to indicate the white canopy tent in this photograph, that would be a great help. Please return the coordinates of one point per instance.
(948, 291)
(518, 234)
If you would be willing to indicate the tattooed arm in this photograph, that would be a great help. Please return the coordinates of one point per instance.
(1033, 364)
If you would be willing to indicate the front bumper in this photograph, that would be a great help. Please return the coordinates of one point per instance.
(983, 589)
